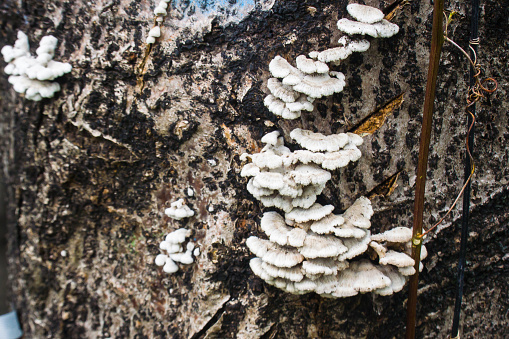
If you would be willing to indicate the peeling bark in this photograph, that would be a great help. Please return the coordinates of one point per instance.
(91, 171)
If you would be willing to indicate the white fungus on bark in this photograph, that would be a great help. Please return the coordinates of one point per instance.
(364, 13)
(310, 66)
(31, 75)
(173, 244)
(346, 48)
(381, 29)
(311, 249)
(179, 210)
(160, 12)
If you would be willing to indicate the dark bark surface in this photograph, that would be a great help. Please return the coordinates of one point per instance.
(90, 171)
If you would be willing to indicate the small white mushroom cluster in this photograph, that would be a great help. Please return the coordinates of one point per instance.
(32, 75)
(179, 210)
(174, 246)
(300, 86)
(288, 180)
(394, 247)
(160, 12)
(293, 89)
(370, 21)
(314, 250)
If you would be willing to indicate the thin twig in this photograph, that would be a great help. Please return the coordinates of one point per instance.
(437, 40)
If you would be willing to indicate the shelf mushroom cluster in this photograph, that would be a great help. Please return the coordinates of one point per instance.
(293, 89)
(174, 246)
(300, 86)
(178, 210)
(309, 248)
(160, 12)
(33, 75)
(369, 21)
(287, 180)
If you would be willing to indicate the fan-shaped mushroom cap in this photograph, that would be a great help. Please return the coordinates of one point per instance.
(309, 174)
(305, 284)
(359, 213)
(327, 224)
(311, 66)
(267, 160)
(317, 142)
(287, 110)
(348, 231)
(277, 200)
(281, 91)
(397, 259)
(319, 85)
(289, 273)
(273, 253)
(302, 104)
(398, 280)
(368, 278)
(341, 158)
(270, 180)
(342, 52)
(315, 212)
(381, 29)
(407, 271)
(281, 68)
(271, 138)
(303, 156)
(275, 227)
(326, 266)
(249, 170)
(296, 237)
(366, 14)
(258, 192)
(256, 267)
(355, 246)
(397, 234)
(320, 246)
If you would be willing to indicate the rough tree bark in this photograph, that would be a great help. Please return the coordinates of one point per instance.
(91, 171)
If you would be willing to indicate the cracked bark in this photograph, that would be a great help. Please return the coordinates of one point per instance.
(91, 171)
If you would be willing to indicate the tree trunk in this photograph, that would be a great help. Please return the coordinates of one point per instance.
(90, 171)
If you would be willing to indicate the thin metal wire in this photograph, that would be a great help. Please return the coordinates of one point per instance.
(475, 93)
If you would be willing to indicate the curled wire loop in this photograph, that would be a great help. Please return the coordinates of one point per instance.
(475, 93)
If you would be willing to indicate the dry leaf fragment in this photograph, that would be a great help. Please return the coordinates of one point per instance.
(385, 188)
(376, 120)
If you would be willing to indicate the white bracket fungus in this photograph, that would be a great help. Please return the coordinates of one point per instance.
(370, 22)
(299, 260)
(32, 75)
(364, 13)
(173, 244)
(179, 210)
(382, 29)
(287, 180)
(311, 66)
(160, 12)
(342, 52)
(311, 249)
